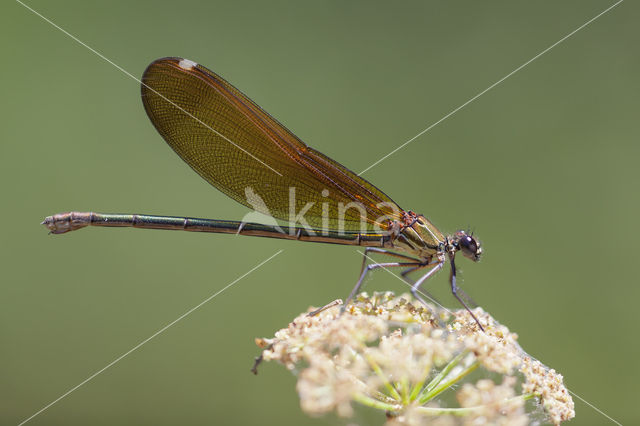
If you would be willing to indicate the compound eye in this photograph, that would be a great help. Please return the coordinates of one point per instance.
(468, 245)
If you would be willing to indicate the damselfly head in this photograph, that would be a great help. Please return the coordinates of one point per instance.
(468, 245)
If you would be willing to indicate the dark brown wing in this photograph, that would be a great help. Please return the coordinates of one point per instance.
(247, 154)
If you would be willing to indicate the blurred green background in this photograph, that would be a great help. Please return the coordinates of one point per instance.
(544, 167)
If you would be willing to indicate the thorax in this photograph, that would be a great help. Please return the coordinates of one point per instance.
(416, 235)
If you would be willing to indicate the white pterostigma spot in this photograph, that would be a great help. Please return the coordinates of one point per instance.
(186, 64)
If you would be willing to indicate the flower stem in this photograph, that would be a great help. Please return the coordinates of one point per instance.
(440, 388)
(374, 403)
(433, 411)
(390, 388)
(404, 387)
(446, 370)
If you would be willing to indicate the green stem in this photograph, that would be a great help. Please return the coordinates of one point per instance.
(420, 389)
(433, 411)
(446, 370)
(416, 389)
(392, 390)
(374, 403)
(404, 387)
(430, 411)
(440, 388)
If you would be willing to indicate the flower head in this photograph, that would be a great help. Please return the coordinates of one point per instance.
(417, 364)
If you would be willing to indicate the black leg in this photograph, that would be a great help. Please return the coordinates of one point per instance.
(413, 283)
(454, 290)
(389, 253)
(384, 251)
(378, 251)
(365, 269)
(468, 300)
(415, 288)
(325, 307)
